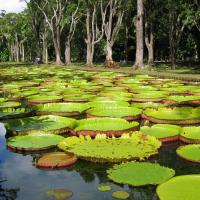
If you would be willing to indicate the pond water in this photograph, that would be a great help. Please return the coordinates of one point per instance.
(21, 180)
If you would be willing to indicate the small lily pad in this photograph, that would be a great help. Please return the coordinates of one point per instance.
(120, 194)
(104, 188)
(59, 194)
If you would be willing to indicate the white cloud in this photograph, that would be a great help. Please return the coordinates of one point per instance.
(12, 5)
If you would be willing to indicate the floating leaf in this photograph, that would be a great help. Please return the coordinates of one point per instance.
(139, 174)
(120, 194)
(180, 188)
(105, 149)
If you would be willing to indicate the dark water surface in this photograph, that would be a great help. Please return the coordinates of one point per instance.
(21, 180)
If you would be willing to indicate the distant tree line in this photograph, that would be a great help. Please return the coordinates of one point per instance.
(66, 31)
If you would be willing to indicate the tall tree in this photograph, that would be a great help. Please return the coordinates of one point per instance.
(53, 12)
(139, 36)
(94, 31)
(112, 27)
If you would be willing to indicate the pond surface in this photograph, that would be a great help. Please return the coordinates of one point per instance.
(21, 180)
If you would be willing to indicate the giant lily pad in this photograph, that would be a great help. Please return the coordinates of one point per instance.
(105, 149)
(61, 109)
(10, 113)
(152, 96)
(56, 160)
(37, 99)
(33, 142)
(179, 115)
(180, 188)
(190, 134)
(9, 104)
(127, 113)
(163, 132)
(41, 124)
(148, 105)
(189, 152)
(109, 126)
(139, 174)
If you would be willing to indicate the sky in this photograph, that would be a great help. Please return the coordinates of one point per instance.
(12, 5)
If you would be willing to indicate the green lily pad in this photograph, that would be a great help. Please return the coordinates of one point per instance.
(43, 99)
(108, 103)
(189, 152)
(11, 113)
(148, 105)
(105, 149)
(59, 194)
(115, 112)
(10, 105)
(139, 174)
(190, 134)
(34, 142)
(109, 126)
(164, 132)
(104, 187)
(180, 188)
(179, 115)
(40, 124)
(120, 194)
(61, 109)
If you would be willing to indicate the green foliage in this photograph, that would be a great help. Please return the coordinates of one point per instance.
(139, 174)
(34, 142)
(189, 152)
(43, 124)
(179, 188)
(120, 194)
(104, 124)
(161, 130)
(104, 149)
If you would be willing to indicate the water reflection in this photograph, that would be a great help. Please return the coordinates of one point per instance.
(24, 181)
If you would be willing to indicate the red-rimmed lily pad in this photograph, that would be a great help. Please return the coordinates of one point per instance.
(33, 142)
(189, 152)
(180, 188)
(163, 132)
(190, 134)
(56, 160)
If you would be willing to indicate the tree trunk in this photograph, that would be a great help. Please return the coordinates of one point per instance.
(139, 36)
(68, 52)
(126, 45)
(90, 54)
(109, 52)
(149, 41)
(23, 53)
(56, 41)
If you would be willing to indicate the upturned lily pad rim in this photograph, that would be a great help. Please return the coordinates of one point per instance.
(136, 167)
(180, 152)
(164, 195)
(41, 163)
(31, 149)
(190, 134)
(11, 127)
(172, 131)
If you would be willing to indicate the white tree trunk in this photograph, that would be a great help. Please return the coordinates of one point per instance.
(139, 36)
(68, 53)
(109, 52)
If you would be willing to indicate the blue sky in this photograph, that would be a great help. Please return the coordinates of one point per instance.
(12, 5)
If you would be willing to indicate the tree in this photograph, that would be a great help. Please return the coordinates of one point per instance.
(53, 12)
(139, 36)
(112, 27)
(180, 12)
(94, 10)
